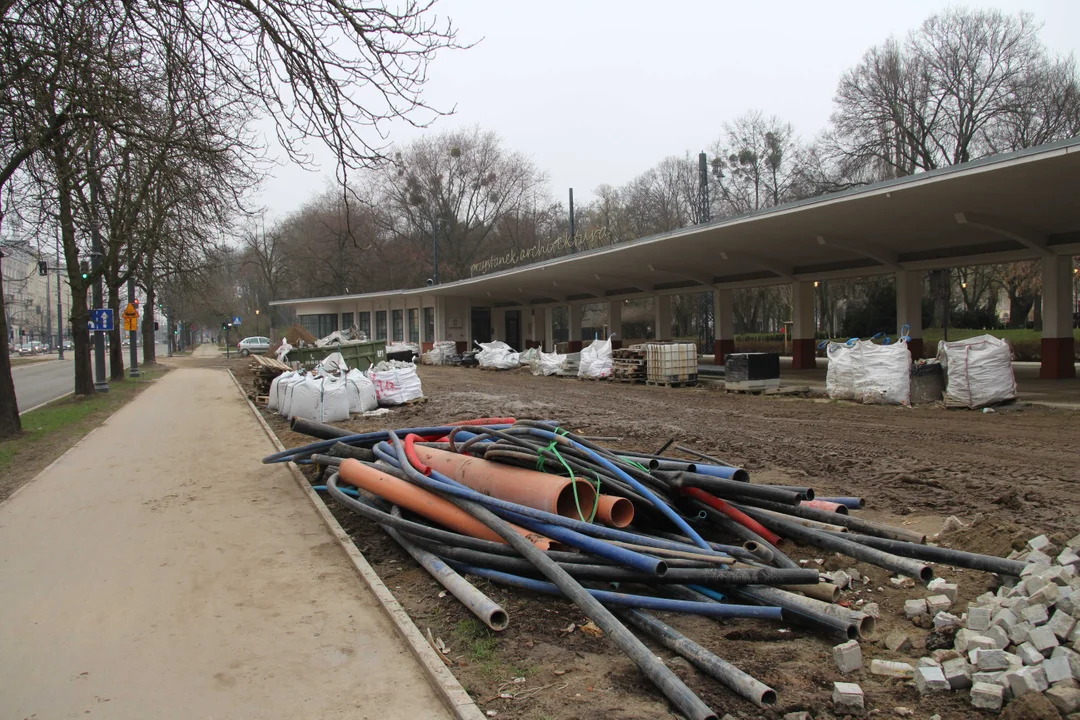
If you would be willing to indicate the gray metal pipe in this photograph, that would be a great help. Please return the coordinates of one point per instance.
(837, 543)
(708, 662)
(863, 625)
(479, 604)
(317, 429)
(861, 525)
(945, 556)
(659, 674)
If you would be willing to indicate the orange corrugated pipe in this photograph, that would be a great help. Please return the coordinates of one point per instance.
(425, 503)
(533, 489)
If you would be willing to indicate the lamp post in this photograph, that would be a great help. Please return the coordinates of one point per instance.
(228, 327)
(256, 321)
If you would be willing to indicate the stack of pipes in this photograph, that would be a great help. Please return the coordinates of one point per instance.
(527, 504)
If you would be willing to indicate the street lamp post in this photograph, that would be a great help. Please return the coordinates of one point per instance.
(228, 327)
(256, 321)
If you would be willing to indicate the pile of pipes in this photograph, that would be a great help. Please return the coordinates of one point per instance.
(525, 504)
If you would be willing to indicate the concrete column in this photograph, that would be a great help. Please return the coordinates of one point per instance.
(574, 311)
(723, 326)
(1058, 345)
(498, 324)
(802, 336)
(909, 308)
(538, 327)
(662, 317)
(614, 316)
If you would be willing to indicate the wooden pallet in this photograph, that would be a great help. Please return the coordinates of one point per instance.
(628, 380)
(672, 384)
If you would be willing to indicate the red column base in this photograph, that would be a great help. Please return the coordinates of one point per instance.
(426, 346)
(721, 349)
(803, 354)
(529, 344)
(915, 347)
(573, 346)
(1058, 358)
(461, 346)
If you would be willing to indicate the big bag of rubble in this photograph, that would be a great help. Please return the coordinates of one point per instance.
(596, 360)
(497, 355)
(843, 367)
(323, 398)
(978, 371)
(883, 373)
(440, 353)
(395, 382)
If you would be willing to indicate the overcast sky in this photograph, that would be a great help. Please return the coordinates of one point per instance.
(599, 91)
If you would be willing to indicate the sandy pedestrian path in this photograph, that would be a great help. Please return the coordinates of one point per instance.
(158, 570)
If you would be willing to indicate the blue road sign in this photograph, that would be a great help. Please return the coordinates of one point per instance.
(101, 320)
(236, 321)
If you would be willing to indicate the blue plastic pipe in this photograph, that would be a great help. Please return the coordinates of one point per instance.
(721, 471)
(854, 503)
(348, 491)
(608, 597)
(376, 436)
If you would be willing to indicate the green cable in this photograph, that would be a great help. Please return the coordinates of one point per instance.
(569, 470)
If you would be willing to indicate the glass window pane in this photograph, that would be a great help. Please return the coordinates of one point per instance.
(398, 325)
(414, 325)
(365, 324)
(429, 324)
(380, 324)
(346, 321)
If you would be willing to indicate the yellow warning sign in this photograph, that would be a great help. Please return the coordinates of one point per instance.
(131, 312)
(131, 324)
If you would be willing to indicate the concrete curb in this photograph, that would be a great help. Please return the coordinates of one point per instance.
(448, 687)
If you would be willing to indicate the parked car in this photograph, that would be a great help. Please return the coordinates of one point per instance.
(250, 345)
(40, 347)
(26, 349)
(69, 345)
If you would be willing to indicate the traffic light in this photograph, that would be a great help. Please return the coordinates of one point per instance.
(42, 268)
(161, 306)
(84, 268)
(135, 302)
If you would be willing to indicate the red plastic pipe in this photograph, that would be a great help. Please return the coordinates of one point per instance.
(410, 453)
(737, 515)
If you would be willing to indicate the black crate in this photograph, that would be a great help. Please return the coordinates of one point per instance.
(744, 367)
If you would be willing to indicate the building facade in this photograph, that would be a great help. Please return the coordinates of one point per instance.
(30, 298)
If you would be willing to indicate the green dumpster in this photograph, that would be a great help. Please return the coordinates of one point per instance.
(360, 355)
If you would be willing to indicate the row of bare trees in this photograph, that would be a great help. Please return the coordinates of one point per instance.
(964, 84)
(128, 126)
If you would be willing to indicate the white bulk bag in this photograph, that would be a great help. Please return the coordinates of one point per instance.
(884, 374)
(840, 377)
(440, 353)
(596, 360)
(332, 364)
(550, 363)
(396, 384)
(285, 392)
(978, 371)
(306, 398)
(334, 402)
(498, 355)
(361, 392)
(283, 350)
(273, 400)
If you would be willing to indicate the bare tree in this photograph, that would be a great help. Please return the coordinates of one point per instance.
(756, 164)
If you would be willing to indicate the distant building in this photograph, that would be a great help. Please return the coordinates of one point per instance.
(30, 298)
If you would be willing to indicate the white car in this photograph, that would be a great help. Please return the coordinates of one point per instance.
(259, 345)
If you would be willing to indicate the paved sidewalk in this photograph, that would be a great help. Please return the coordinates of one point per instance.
(158, 570)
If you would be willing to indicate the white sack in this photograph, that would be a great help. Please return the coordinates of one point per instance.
(978, 371)
(334, 403)
(283, 350)
(361, 392)
(550, 363)
(285, 392)
(332, 364)
(306, 398)
(884, 374)
(396, 384)
(440, 353)
(596, 360)
(843, 367)
(273, 401)
(530, 358)
(498, 355)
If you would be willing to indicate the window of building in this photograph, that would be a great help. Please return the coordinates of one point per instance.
(380, 324)
(346, 321)
(397, 320)
(429, 324)
(319, 325)
(414, 325)
(364, 324)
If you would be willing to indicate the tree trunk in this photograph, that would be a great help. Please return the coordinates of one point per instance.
(1019, 307)
(9, 406)
(149, 350)
(1038, 304)
(116, 348)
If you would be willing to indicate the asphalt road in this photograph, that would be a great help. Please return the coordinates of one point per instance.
(40, 382)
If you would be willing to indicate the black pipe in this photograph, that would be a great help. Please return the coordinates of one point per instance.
(866, 527)
(728, 488)
(705, 660)
(342, 450)
(318, 430)
(746, 534)
(945, 556)
(652, 667)
(829, 541)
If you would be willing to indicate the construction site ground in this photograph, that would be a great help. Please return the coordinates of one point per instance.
(1006, 475)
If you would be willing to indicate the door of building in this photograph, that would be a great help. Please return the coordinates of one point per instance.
(513, 329)
(481, 325)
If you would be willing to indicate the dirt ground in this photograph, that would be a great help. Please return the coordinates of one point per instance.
(1007, 475)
